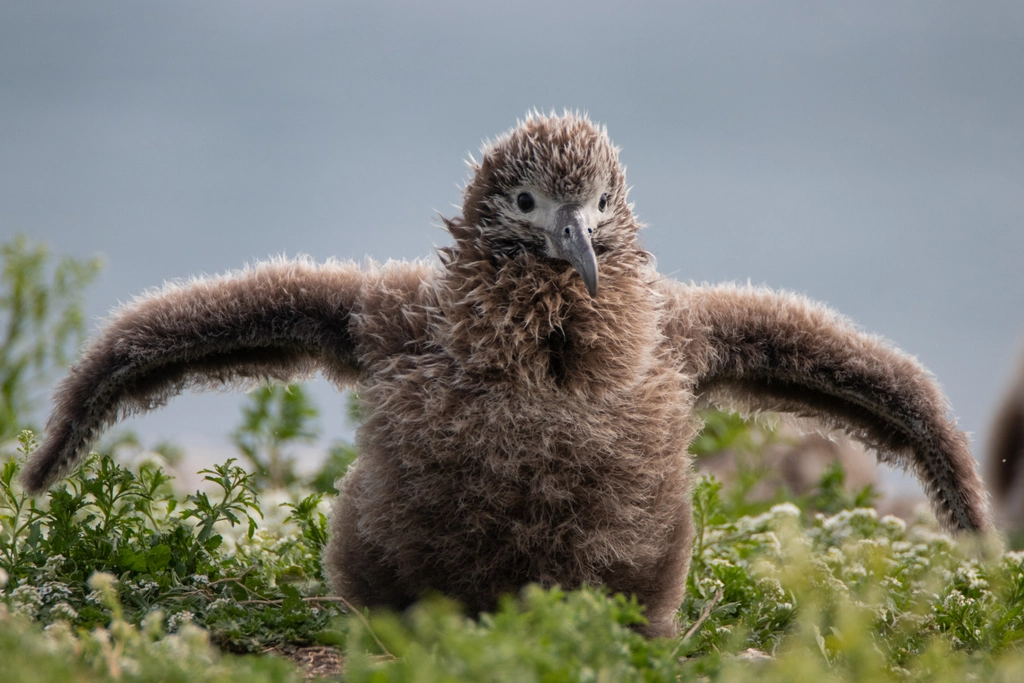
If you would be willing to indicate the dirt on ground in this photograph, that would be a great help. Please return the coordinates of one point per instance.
(316, 661)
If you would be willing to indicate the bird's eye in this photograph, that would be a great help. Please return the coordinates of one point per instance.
(603, 202)
(525, 202)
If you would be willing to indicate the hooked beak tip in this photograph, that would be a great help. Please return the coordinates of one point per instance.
(584, 261)
(576, 247)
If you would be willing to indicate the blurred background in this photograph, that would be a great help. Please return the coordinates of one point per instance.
(869, 155)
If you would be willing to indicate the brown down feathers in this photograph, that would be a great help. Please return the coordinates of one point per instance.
(1005, 464)
(519, 430)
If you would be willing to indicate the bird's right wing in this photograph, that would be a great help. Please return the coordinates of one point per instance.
(280, 320)
(764, 350)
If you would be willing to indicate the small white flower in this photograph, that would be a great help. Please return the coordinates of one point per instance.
(54, 590)
(894, 525)
(846, 523)
(220, 603)
(784, 511)
(970, 574)
(53, 565)
(179, 619)
(63, 610)
(769, 540)
(26, 600)
(3, 578)
(835, 556)
(856, 570)
(1015, 557)
(771, 588)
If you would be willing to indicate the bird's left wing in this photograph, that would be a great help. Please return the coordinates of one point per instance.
(762, 350)
(283, 320)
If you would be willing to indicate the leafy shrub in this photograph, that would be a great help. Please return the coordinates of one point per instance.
(252, 588)
(123, 651)
(273, 418)
(780, 595)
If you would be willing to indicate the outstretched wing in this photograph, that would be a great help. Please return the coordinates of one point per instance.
(283, 320)
(763, 350)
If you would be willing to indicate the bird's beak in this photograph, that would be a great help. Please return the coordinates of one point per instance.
(572, 243)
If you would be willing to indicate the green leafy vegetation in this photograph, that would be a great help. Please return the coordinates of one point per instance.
(202, 559)
(41, 323)
(274, 417)
(116, 575)
(122, 651)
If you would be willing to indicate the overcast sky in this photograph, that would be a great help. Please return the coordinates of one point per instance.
(867, 154)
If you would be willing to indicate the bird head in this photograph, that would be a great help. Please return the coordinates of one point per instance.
(551, 186)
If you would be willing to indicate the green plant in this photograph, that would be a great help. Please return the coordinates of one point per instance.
(123, 651)
(183, 556)
(340, 457)
(747, 440)
(41, 323)
(274, 418)
(782, 595)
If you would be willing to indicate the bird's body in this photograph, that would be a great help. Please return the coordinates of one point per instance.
(522, 431)
(530, 398)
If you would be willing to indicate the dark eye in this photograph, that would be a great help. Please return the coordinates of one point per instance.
(525, 202)
(603, 202)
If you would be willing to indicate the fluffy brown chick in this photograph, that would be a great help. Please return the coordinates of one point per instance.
(530, 397)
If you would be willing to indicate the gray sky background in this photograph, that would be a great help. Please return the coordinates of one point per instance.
(868, 154)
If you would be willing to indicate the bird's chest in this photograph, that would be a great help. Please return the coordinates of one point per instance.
(534, 450)
(548, 422)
